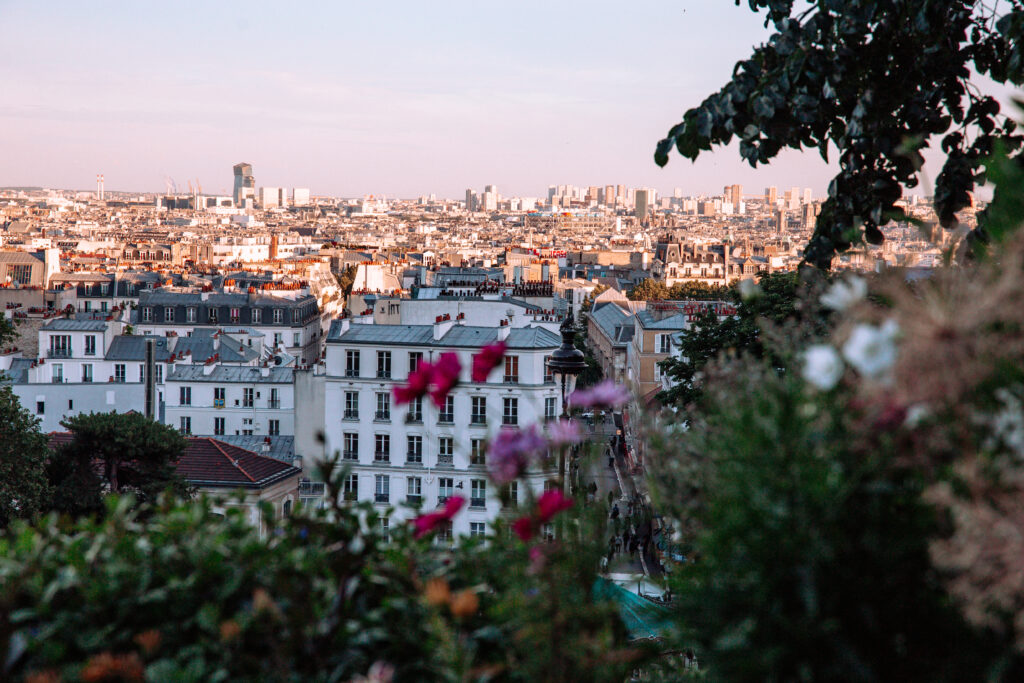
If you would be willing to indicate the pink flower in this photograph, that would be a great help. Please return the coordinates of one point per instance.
(512, 451)
(524, 528)
(550, 504)
(427, 523)
(444, 377)
(563, 433)
(606, 394)
(489, 358)
(419, 383)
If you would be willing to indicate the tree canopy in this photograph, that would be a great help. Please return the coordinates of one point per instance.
(879, 79)
(23, 452)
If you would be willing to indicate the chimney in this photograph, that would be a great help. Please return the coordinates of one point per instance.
(441, 326)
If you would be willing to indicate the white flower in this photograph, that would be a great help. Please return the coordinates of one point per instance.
(749, 289)
(916, 414)
(822, 366)
(843, 294)
(872, 350)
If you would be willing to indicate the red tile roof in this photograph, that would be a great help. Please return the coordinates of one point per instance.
(212, 463)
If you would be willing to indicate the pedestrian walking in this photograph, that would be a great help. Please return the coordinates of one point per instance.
(615, 511)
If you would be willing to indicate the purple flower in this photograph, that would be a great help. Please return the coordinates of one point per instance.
(511, 452)
(563, 433)
(606, 394)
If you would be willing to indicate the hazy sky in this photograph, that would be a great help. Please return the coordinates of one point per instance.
(347, 98)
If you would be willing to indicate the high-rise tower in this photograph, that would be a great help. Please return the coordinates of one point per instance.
(245, 184)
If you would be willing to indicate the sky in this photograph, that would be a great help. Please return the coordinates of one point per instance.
(391, 98)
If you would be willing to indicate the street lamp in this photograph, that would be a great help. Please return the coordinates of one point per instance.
(566, 363)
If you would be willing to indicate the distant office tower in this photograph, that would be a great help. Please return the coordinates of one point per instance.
(99, 187)
(592, 194)
(471, 201)
(644, 202)
(245, 184)
(552, 192)
(807, 195)
(491, 188)
(809, 217)
(489, 199)
(771, 195)
(609, 195)
(793, 199)
(620, 194)
(780, 221)
(677, 193)
(734, 195)
(300, 196)
(273, 196)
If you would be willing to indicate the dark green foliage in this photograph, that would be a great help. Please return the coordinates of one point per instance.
(878, 79)
(126, 452)
(346, 279)
(812, 560)
(7, 331)
(778, 303)
(23, 487)
(653, 290)
(593, 372)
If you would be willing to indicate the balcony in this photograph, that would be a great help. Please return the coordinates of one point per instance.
(382, 457)
(382, 415)
(414, 419)
(381, 498)
(349, 496)
(58, 353)
(351, 373)
(350, 455)
(351, 415)
(383, 374)
(58, 380)
(274, 403)
(479, 420)
(446, 461)
(414, 459)
(413, 499)
(511, 379)
(477, 502)
(446, 418)
(510, 420)
(312, 488)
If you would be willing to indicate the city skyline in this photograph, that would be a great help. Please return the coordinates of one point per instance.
(358, 102)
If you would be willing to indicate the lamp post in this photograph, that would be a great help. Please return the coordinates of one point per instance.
(566, 363)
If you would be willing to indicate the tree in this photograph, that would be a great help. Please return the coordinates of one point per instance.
(124, 452)
(7, 331)
(346, 279)
(698, 290)
(588, 302)
(648, 289)
(23, 454)
(879, 79)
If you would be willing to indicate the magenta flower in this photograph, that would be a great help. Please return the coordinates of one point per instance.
(550, 504)
(427, 523)
(418, 385)
(524, 528)
(489, 358)
(563, 433)
(511, 452)
(444, 377)
(606, 394)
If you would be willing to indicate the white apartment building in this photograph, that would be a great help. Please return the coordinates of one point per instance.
(419, 453)
(218, 400)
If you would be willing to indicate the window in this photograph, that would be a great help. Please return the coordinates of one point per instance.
(88, 306)
(445, 488)
(185, 396)
(350, 487)
(477, 529)
(383, 406)
(256, 316)
(478, 493)
(351, 363)
(477, 452)
(275, 399)
(415, 410)
(40, 407)
(58, 373)
(90, 345)
(550, 407)
(247, 397)
(351, 405)
(445, 450)
(190, 314)
(478, 416)
(219, 395)
(548, 377)
(87, 372)
(22, 273)
(511, 369)
(510, 496)
(147, 314)
(235, 315)
(444, 533)
(381, 488)
(414, 490)
(295, 315)
(103, 306)
(218, 426)
(382, 448)
(71, 404)
(159, 374)
(447, 413)
(211, 314)
(60, 346)
(296, 339)
(510, 412)
(385, 529)
(277, 339)
(278, 316)
(351, 449)
(168, 314)
(274, 427)
(119, 373)
(664, 342)
(186, 425)
(286, 508)
(383, 365)
(415, 358)
(414, 449)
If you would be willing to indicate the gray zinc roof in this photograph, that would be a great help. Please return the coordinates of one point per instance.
(230, 373)
(68, 325)
(458, 336)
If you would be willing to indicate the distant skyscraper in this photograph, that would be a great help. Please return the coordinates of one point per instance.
(807, 195)
(620, 194)
(99, 187)
(245, 184)
(734, 194)
(471, 203)
(678, 193)
(644, 201)
(771, 195)
(273, 196)
(780, 221)
(300, 196)
(609, 195)
(793, 199)
(809, 217)
(489, 199)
